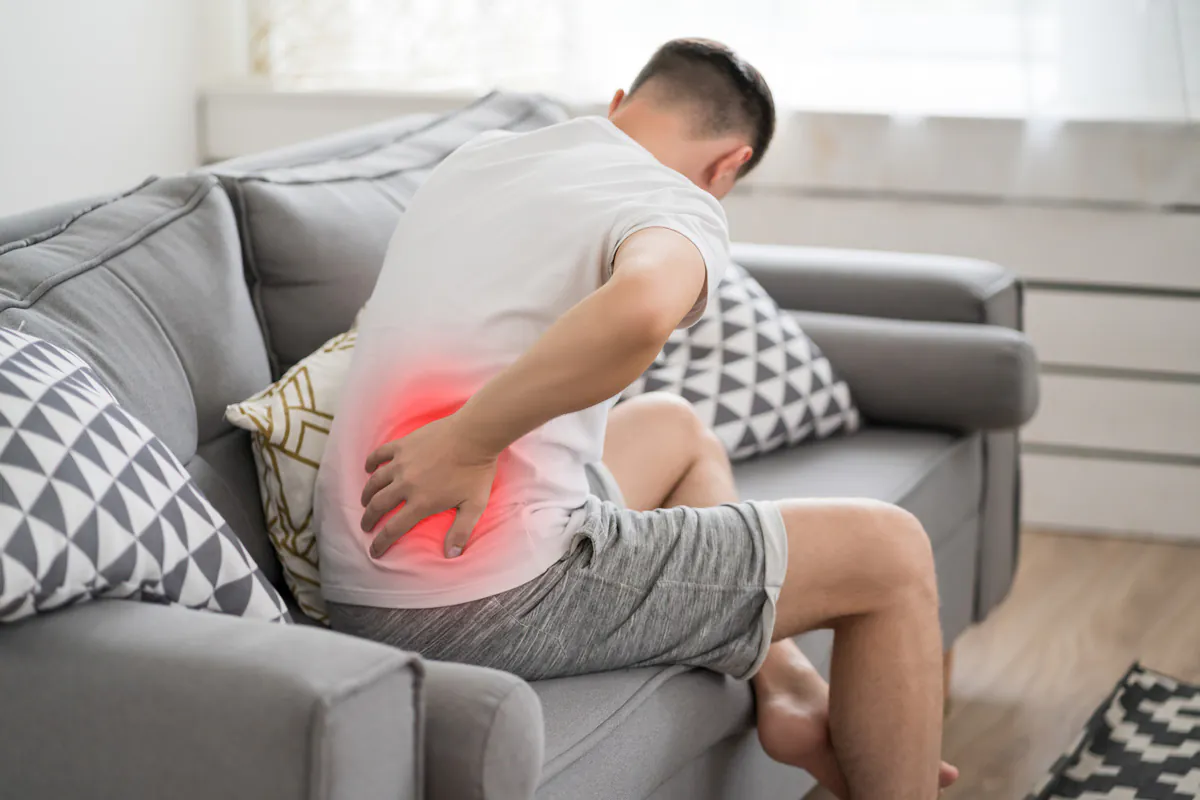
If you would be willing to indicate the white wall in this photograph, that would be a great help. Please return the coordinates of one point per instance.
(94, 96)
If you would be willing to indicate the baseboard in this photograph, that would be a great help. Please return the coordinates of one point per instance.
(1163, 538)
(1111, 498)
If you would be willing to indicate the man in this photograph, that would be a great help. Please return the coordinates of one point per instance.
(533, 277)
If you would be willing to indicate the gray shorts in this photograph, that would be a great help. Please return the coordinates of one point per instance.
(694, 586)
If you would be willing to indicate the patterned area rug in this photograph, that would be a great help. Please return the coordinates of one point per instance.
(1142, 742)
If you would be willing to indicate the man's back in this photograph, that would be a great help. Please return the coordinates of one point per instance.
(506, 235)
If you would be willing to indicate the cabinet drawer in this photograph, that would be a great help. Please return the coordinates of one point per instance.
(1114, 331)
(1159, 417)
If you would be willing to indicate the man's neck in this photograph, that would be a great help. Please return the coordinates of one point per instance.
(660, 132)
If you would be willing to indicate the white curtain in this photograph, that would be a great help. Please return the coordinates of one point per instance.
(1053, 58)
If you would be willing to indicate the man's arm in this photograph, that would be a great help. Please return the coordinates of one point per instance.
(591, 353)
(598, 347)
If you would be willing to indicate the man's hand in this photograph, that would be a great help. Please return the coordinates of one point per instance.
(433, 469)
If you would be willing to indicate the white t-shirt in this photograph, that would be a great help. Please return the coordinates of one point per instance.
(505, 236)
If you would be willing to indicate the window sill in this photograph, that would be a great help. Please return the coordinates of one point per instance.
(1129, 163)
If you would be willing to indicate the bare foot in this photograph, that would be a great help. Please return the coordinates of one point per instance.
(793, 727)
(792, 701)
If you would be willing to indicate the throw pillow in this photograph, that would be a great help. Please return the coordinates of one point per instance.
(751, 373)
(94, 505)
(289, 422)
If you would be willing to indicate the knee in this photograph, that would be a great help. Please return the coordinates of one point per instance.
(906, 555)
(670, 412)
(709, 446)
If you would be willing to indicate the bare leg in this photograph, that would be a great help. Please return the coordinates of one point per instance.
(947, 674)
(661, 455)
(866, 570)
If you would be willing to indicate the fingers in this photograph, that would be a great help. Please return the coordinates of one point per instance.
(381, 503)
(465, 519)
(400, 523)
(381, 456)
(379, 479)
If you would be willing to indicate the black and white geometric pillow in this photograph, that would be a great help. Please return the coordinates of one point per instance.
(92, 504)
(750, 372)
(1142, 743)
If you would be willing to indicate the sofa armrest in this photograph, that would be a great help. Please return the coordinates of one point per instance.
(939, 374)
(882, 284)
(484, 737)
(126, 699)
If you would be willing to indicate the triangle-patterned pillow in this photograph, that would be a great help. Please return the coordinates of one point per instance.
(93, 505)
(751, 373)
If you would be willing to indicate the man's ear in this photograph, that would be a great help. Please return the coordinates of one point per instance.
(725, 170)
(616, 101)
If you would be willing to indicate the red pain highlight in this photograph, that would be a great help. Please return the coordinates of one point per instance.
(426, 400)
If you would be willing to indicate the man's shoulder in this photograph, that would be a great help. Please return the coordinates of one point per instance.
(587, 140)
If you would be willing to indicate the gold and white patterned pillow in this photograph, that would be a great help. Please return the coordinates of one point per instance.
(289, 421)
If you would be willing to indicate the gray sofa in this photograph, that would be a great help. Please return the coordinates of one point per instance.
(193, 291)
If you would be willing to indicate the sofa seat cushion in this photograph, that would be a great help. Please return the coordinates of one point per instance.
(937, 476)
(620, 734)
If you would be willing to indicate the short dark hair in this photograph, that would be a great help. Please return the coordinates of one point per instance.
(731, 95)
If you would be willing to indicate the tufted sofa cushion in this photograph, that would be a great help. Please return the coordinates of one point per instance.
(148, 288)
(316, 220)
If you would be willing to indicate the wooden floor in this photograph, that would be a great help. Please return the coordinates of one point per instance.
(1081, 611)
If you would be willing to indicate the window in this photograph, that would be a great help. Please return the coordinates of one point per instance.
(1054, 58)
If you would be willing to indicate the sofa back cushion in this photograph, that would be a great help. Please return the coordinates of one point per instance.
(316, 220)
(148, 289)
